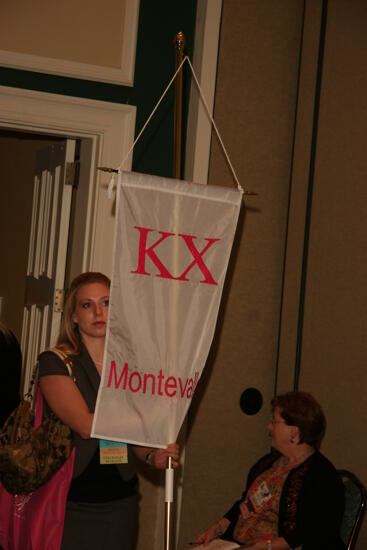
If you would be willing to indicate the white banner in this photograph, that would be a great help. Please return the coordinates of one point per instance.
(172, 245)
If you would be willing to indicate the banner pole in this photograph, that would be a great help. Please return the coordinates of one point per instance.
(168, 505)
(179, 43)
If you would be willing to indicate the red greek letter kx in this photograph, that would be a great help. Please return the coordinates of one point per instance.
(151, 252)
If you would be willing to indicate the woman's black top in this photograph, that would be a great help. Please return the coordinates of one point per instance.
(11, 368)
(311, 504)
(92, 481)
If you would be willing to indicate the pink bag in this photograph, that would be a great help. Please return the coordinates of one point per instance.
(36, 521)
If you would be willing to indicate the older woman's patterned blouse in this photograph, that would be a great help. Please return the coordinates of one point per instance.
(258, 518)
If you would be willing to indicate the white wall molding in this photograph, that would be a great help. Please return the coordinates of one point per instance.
(107, 126)
(123, 75)
(205, 65)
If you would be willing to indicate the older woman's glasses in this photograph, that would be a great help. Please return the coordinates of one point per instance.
(273, 421)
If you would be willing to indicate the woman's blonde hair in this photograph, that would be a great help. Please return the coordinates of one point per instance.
(68, 339)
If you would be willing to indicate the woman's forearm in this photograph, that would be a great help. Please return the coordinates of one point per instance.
(65, 399)
(278, 543)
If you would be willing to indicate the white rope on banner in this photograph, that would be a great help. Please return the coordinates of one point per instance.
(111, 183)
(239, 186)
(202, 97)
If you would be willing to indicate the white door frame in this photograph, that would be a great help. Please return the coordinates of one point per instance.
(106, 131)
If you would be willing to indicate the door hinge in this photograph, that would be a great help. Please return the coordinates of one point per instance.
(59, 300)
(72, 173)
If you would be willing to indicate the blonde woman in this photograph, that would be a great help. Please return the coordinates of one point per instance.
(101, 510)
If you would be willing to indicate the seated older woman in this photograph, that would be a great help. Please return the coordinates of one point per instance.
(294, 497)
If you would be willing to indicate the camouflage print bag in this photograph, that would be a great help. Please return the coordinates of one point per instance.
(34, 442)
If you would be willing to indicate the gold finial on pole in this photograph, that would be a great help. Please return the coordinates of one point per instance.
(179, 43)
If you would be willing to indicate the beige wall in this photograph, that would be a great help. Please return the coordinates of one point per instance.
(90, 34)
(254, 111)
(255, 103)
(334, 349)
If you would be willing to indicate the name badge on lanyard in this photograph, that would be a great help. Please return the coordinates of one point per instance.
(112, 452)
(260, 496)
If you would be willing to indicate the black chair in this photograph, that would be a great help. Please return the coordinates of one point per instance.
(355, 507)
